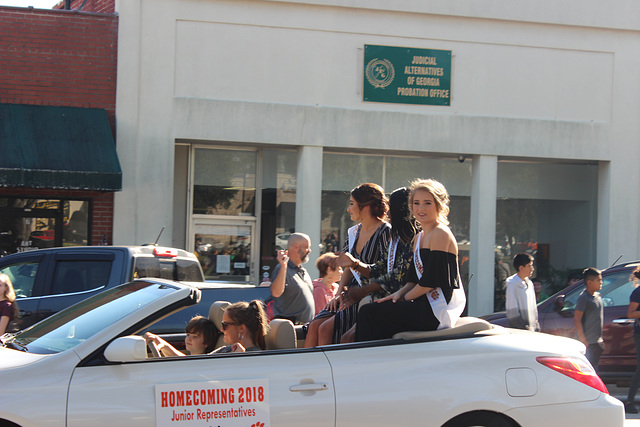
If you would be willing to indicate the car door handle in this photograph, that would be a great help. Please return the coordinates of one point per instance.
(623, 321)
(25, 313)
(309, 387)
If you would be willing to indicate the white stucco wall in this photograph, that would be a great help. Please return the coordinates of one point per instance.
(533, 80)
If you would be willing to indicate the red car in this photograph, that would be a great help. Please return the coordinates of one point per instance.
(618, 362)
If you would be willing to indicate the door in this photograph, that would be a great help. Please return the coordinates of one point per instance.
(298, 390)
(225, 249)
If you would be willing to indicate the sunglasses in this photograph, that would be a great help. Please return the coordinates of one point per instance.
(226, 324)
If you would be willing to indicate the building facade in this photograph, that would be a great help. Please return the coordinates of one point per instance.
(59, 168)
(242, 121)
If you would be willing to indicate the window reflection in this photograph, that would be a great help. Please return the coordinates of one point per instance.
(225, 182)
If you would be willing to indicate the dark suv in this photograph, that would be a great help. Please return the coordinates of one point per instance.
(48, 280)
(555, 314)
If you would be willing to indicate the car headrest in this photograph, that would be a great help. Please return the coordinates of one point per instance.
(215, 315)
(216, 311)
(281, 334)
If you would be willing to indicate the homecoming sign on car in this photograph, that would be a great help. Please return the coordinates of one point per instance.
(237, 403)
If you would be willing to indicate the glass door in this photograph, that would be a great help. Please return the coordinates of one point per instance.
(224, 248)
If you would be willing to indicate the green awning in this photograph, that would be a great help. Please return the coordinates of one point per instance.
(57, 147)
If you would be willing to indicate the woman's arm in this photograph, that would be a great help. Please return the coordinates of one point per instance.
(4, 322)
(632, 312)
(397, 296)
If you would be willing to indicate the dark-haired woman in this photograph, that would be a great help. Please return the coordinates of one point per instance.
(367, 242)
(634, 313)
(245, 326)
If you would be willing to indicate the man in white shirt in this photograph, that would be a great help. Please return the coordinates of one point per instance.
(522, 311)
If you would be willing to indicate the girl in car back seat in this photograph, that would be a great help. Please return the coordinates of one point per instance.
(244, 325)
(201, 338)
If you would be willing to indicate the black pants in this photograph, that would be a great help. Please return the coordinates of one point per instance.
(594, 351)
(382, 320)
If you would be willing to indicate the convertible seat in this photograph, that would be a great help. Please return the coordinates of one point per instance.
(215, 315)
(282, 334)
(464, 326)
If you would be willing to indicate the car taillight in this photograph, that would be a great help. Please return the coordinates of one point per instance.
(576, 369)
(165, 252)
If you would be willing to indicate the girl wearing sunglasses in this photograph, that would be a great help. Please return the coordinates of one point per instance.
(244, 325)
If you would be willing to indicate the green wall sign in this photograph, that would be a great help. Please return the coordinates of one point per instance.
(403, 75)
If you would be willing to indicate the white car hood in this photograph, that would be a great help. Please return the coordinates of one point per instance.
(10, 358)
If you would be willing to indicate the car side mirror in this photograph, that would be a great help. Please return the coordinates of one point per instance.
(126, 349)
(558, 304)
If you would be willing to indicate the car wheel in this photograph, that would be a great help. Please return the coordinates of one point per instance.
(480, 419)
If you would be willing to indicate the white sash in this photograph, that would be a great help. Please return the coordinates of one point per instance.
(391, 257)
(352, 232)
(447, 314)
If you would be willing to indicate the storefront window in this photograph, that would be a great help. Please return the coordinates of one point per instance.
(549, 211)
(224, 182)
(340, 174)
(278, 205)
(343, 172)
(229, 241)
(29, 224)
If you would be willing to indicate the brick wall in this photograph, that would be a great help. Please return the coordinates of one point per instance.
(61, 58)
(97, 6)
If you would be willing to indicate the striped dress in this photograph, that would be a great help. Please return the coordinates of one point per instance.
(373, 251)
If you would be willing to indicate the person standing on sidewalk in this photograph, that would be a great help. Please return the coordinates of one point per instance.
(522, 311)
(587, 317)
(634, 313)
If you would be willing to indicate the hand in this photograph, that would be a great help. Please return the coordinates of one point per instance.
(345, 260)
(152, 338)
(335, 303)
(351, 297)
(283, 257)
(237, 348)
(395, 297)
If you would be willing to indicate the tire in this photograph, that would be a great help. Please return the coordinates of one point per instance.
(480, 419)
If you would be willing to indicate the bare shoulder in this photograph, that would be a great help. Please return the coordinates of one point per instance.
(443, 240)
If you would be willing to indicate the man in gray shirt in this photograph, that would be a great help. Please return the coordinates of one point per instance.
(587, 317)
(291, 284)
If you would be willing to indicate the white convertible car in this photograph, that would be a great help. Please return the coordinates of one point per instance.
(89, 366)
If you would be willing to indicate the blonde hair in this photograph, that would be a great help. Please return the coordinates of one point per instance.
(10, 294)
(439, 193)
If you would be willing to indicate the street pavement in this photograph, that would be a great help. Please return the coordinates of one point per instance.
(631, 420)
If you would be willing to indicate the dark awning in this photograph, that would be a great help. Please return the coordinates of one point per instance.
(57, 147)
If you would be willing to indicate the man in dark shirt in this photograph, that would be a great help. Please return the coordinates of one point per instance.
(587, 317)
(291, 284)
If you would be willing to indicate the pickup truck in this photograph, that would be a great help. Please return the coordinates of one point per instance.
(49, 280)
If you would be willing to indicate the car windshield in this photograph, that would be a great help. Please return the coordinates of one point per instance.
(616, 289)
(68, 328)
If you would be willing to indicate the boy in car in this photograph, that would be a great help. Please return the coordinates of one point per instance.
(588, 315)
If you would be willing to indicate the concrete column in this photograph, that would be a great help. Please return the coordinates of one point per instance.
(482, 235)
(309, 199)
(604, 244)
